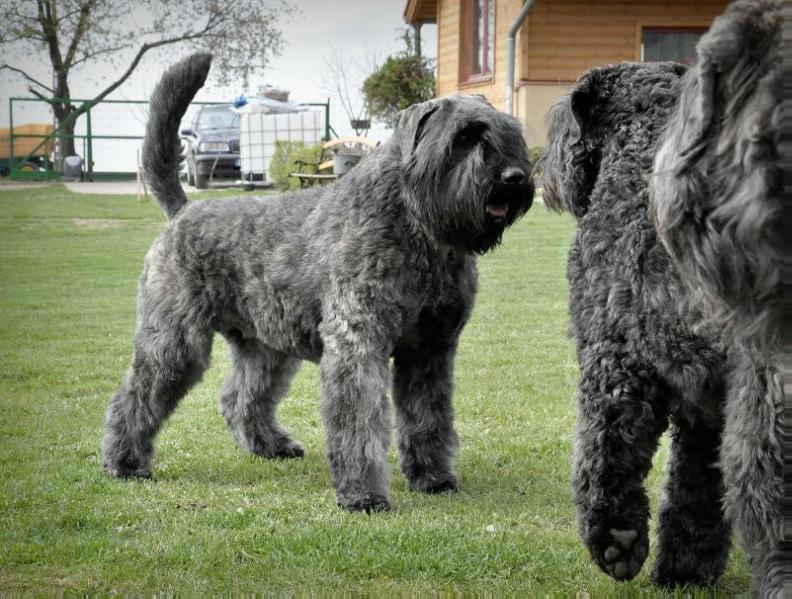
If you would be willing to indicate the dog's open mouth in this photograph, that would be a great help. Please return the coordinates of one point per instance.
(497, 211)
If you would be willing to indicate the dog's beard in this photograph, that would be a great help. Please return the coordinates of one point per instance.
(464, 209)
(487, 220)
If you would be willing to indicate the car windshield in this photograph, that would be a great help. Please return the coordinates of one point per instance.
(220, 117)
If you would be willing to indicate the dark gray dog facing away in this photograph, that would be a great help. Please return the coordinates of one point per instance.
(648, 355)
(643, 359)
(380, 264)
(719, 203)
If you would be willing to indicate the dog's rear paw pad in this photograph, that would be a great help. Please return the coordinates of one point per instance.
(620, 562)
(611, 553)
(626, 570)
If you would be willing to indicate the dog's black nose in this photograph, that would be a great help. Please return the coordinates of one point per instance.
(513, 176)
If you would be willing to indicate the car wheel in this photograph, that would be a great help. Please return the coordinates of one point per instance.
(201, 181)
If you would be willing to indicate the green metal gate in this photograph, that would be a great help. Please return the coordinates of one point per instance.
(119, 121)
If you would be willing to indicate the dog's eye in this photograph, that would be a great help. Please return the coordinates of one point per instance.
(470, 135)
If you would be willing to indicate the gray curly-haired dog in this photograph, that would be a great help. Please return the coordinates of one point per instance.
(380, 264)
(644, 361)
(647, 354)
(719, 204)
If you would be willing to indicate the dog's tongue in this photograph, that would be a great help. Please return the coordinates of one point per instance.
(497, 211)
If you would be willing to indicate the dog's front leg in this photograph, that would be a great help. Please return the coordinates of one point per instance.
(422, 391)
(354, 376)
(621, 414)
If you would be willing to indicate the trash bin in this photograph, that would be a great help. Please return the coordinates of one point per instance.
(343, 162)
(72, 168)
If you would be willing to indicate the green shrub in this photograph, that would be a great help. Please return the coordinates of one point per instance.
(284, 162)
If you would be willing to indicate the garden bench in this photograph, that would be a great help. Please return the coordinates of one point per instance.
(354, 147)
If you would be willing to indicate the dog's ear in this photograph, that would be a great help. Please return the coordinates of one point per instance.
(721, 50)
(569, 164)
(410, 124)
(696, 103)
(580, 102)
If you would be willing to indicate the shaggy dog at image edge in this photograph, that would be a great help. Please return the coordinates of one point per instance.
(648, 355)
(718, 202)
(380, 264)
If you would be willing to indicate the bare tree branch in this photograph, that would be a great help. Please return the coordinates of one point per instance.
(90, 55)
(38, 94)
(143, 49)
(79, 31)
(26, 76)
(50, 32)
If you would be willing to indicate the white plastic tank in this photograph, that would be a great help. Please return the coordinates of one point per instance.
(258, 132)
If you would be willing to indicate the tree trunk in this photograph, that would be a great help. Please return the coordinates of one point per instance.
(64, 116)
(65, 139)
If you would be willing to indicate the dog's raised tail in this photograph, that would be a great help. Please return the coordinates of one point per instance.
(162, 148)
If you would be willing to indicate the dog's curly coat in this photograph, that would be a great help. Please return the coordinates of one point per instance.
(643, 359)
(380, 264)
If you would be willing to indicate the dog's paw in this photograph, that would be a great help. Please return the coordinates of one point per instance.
(624, 556)
(433, 484)
(284, 450)
(619, 551)
(368, 504)
(290, 450)
(122, 472)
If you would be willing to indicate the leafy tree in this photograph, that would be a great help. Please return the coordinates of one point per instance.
(402, 80)
(76, 34)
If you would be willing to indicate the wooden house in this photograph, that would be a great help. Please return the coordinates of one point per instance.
(555, 42)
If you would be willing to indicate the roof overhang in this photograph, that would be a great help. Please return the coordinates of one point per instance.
(420, 11)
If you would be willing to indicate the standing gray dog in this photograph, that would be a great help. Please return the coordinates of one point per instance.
(381, 264)
(719, 204)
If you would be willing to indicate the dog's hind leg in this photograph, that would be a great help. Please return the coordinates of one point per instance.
(753, 467)
(694, 535)
(258, 382)
(422, 390)
(169, 358)
(621, 415)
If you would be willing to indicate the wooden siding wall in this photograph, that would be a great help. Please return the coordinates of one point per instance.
(448, 36)
(564, 37)
(567, 37)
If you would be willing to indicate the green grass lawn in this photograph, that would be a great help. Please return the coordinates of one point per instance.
(217, 519)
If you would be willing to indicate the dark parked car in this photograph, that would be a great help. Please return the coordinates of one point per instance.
(212, 145)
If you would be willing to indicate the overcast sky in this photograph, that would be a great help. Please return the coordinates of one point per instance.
(357, 29)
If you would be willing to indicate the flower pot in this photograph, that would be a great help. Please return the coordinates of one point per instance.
(343, 162)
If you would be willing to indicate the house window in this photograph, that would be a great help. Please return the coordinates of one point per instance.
(477, 40)
(670, 43)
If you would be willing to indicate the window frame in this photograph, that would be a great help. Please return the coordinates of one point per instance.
(466, 46)
(671, 25)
